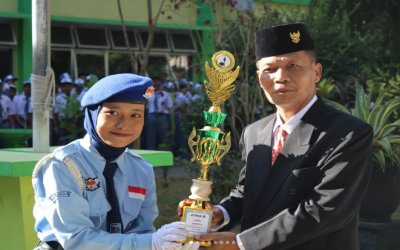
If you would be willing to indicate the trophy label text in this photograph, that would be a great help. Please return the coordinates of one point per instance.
(197, 222)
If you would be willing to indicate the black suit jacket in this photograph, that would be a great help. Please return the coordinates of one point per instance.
(310, 198)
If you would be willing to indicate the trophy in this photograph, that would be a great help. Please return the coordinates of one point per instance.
(210, 144)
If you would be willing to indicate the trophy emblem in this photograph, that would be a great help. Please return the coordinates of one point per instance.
(209, 144)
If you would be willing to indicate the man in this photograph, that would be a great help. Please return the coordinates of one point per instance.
(159, 108)
(23, 102)
(6, 120)
(9, 79)
(59, 110)
(13, 95)
(79, 85)
(306, 167)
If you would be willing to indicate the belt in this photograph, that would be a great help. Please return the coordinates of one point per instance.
(49, 245)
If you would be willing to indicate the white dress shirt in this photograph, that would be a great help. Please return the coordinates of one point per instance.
(288, 127)
(5, 105)
(164, 102)
(61, 103)
(20, 101)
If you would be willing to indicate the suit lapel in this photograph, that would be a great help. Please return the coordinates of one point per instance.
(261, 162)
(295, 147)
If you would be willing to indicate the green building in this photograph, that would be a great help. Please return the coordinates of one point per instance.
(86, 37)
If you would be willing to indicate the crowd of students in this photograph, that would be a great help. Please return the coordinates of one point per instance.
(163, 111)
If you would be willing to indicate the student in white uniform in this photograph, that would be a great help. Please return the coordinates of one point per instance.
(159, 108)
(9, 79)
(23, 102)
(6, 120)
(12, 93)
(59, 110)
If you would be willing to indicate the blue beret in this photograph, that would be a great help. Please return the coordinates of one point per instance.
(124, 87)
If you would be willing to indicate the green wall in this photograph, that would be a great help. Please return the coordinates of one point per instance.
(133, 11)
(9, 6)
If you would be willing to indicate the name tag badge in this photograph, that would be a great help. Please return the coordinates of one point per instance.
(115, 228)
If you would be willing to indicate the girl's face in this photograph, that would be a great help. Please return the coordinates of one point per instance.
(119, 124)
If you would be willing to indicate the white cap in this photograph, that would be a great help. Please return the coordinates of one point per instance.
(88, 77)
(27, 81)
(79, 82)
(64, 75)
(66, 80)
(197, 86)
(12, 86)
(9, 77)
(168, 85)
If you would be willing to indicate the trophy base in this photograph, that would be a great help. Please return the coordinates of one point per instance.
(198, 221)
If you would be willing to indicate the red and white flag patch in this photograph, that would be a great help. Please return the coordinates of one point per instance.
(136, 193)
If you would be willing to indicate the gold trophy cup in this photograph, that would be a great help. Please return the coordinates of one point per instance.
(210, 144)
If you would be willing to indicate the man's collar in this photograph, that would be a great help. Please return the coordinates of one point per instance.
(292, 123)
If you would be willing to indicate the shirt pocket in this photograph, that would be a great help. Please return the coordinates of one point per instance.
(98, 211)
(132, 207)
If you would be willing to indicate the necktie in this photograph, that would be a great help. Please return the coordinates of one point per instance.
(155, 103)
(114, 221)
(278, 146)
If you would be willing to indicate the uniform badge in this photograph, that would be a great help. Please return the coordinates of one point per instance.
(295, 37)
(115, 228)
(149, 92)
(62, 194)
(92, 184)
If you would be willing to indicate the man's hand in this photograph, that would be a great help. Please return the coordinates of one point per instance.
(218, 216)
(220, 241)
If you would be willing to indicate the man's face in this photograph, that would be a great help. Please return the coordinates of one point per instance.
(11, 93)
(289, 80)
(78, 88)
(27, 89)
(66, 88)
(10, 82)
(157, 85)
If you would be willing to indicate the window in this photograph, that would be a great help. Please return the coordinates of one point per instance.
(182, 43)
(5, 62)
(61, 62)
(160, 41)
(181, 66)
(119, 63)
(62, 37)
(92, 38)
(118, 39)
(7, 34)
(157, 66)
(91, 63)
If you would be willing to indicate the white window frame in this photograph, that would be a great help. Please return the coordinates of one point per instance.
(71, 66)
(60, 45)
(90, 52)
(13, 34)
(171, 33)
(123, 48)
(143, 46)
(91, 46)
